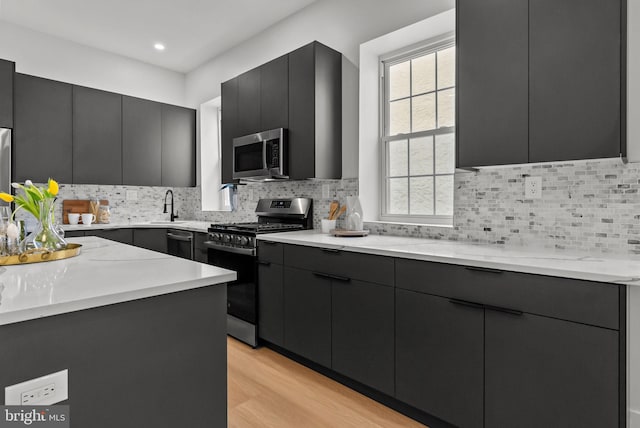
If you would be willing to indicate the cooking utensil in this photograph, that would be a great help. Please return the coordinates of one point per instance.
(333, 210)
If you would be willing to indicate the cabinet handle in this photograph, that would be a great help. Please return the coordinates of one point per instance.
(504, 310)
(482, 269)
(333, 277)
(330, 250)
(263, 263)
(468, 304)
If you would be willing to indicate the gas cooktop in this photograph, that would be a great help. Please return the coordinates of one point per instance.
(255, 227)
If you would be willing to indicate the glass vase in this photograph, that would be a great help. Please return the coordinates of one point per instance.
(354, 214)
(45, 235)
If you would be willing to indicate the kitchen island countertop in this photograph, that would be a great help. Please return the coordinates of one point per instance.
(105, 272)
(541, 261)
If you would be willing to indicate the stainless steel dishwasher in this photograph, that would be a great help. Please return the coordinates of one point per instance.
(180, 243)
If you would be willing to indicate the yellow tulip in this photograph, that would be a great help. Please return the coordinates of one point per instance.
(53, 187)
(6, 197)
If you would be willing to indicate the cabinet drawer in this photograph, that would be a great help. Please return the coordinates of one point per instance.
(587, 302)
(363, 267)
(270, 252)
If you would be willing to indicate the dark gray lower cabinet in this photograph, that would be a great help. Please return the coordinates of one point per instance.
(544, 372)
(307, 315)
(151, 239)
(439, 357)
(270, 302)
(200, 251)
(73, 233)
(362, 333)
(124, 236)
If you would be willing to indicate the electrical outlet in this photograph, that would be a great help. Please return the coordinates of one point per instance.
(131, 195)
(532, 187)
(42, 391)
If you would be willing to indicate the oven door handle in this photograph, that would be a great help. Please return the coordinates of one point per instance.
(227, 249)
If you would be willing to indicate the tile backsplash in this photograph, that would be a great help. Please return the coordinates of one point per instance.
(585, 205)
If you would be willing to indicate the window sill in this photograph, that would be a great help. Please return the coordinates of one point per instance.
(380, 222)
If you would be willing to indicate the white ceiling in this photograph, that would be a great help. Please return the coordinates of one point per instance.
(193, 31)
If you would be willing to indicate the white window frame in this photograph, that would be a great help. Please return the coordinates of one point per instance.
(423, 48)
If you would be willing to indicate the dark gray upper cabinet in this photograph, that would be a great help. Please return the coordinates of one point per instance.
(178, 146)
(274, 93)
(141, 136)
(556, 372)
(7, 71)
(492, 85)
(539, 80)
(249, 102)
(440, 357)
(575, 107)
(97, 136)
(42, 137)
(229, 126)
(315, 112)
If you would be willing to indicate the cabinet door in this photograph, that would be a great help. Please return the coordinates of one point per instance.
(124, 236)
(178, 146)
(270, 303)
(7, 70)
(229, 126)
(544, 372)
(97, 136)
(302, 126)
(363, 333)
(151, 239)
(307, 315)
(274, 94)
(141, 142)
(575, 79)
(200, 251)
(249, 102)
(43, 130)
(73, 233)
(492, 87)
(439, 357)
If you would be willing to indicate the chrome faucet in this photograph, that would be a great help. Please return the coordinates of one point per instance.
(173, 216)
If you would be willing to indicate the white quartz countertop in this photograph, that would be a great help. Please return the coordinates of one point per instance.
(541, 261)
(192, 225)
(105, 272)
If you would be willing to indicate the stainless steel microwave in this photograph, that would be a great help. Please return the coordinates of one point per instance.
(260, 156)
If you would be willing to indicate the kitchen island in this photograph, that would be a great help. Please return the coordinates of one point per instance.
(142, 334)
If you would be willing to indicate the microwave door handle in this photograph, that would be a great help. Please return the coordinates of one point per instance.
(264, 155)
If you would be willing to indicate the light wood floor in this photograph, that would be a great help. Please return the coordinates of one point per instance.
(269, 390)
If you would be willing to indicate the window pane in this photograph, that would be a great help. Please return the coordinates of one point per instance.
(421, 195)
(424, 113)
(398, 196)
(423, 74)
(421, 155)
(444, 195)
(399, 80)
(445, 154)
(447, 67)
(398, 158)
(399, 122)
(446, 110)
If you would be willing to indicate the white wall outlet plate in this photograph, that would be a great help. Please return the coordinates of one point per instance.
(131, 195)
(326, 191)
(532, 187)
(42, 391)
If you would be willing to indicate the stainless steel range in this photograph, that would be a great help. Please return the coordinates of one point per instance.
(233, 246)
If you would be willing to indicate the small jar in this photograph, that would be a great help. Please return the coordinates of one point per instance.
(104, 214)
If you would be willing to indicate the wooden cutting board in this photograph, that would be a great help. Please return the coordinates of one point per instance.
(79, 206)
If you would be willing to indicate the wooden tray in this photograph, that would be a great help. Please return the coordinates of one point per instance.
(78, 206)
(41, 255)
(349, 233)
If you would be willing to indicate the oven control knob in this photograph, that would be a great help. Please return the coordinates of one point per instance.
(215, 236)
(243, 240)
(226, 238)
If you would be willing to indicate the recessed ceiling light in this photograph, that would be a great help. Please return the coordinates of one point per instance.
(159, 46)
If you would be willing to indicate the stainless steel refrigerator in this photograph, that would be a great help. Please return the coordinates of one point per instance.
(5, 162)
